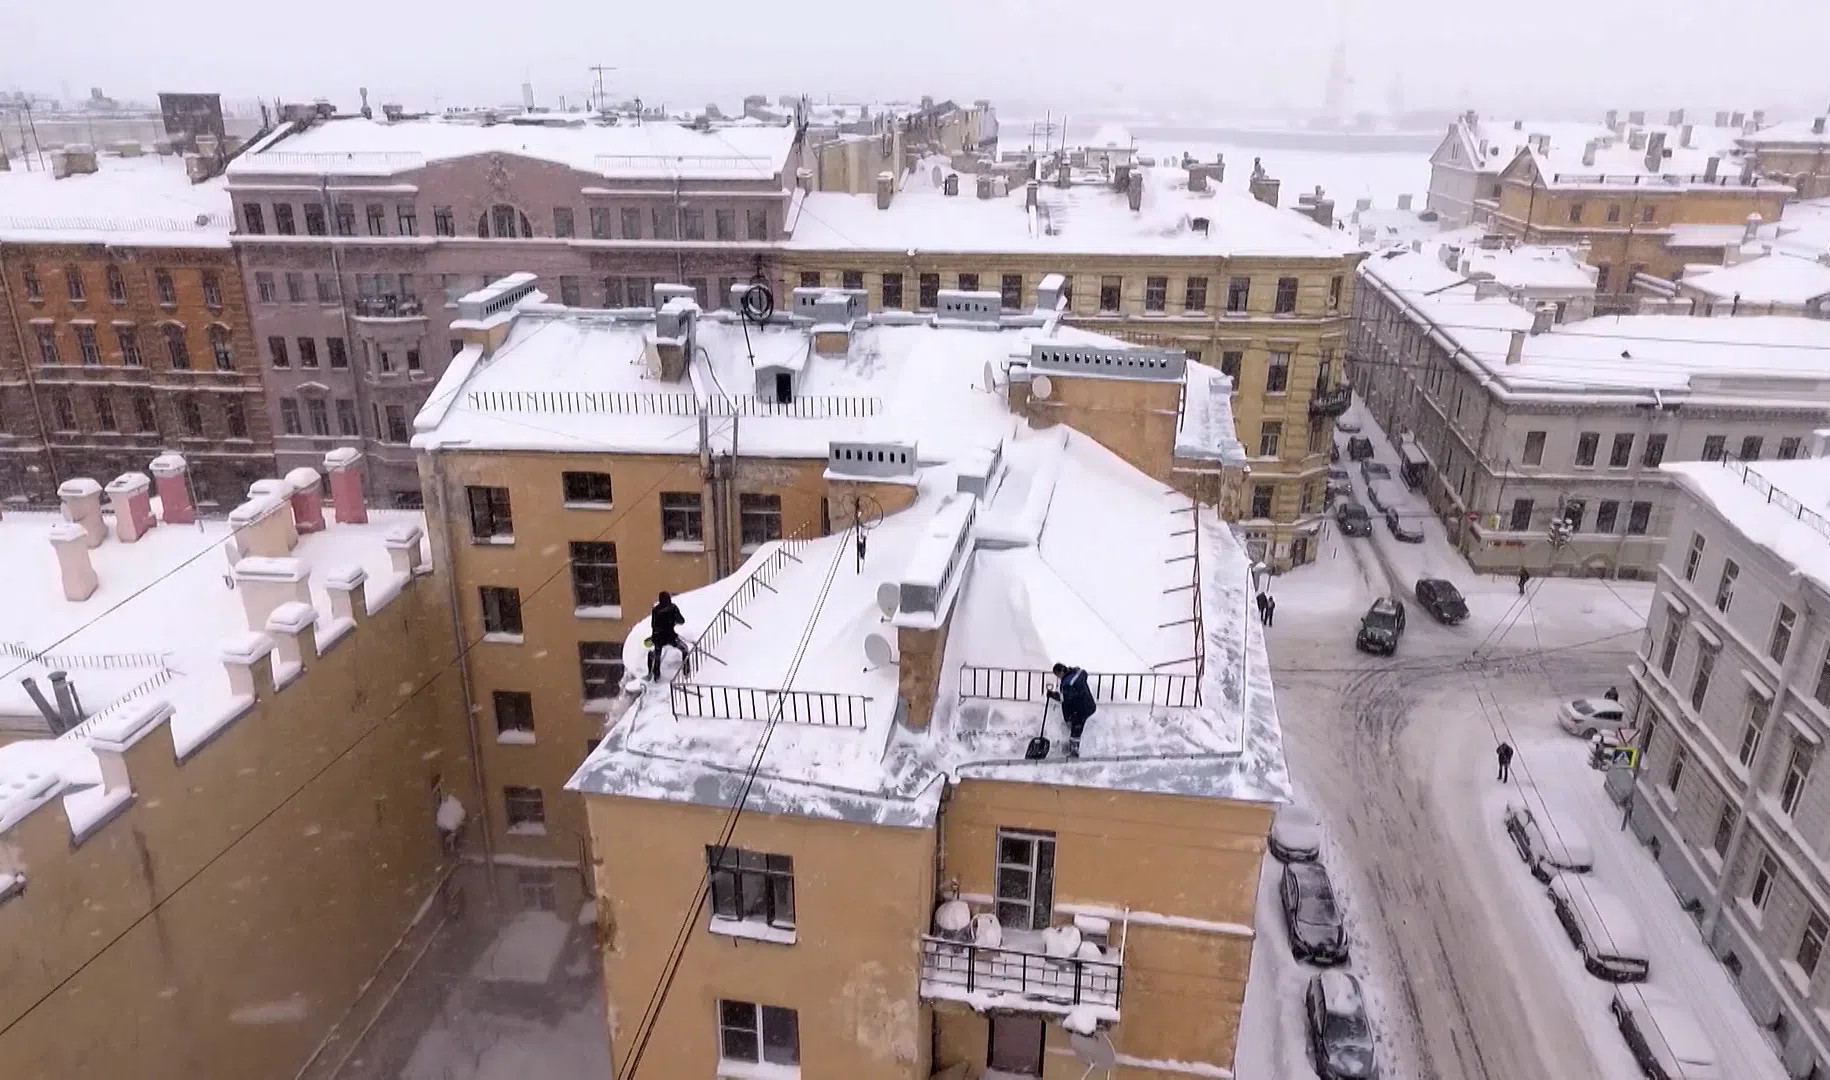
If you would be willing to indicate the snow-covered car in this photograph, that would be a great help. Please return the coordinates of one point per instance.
(1371, 470)
(1296, 833)
(1549, 847)
(1359, 448)
(1340, 1037)
(1442, 600)
(1317, 933)
(1353, 518)
(1380, 496)
(1338, 475)
(1602, 928)
(1381, 626)
(1588, 717)
(1346, 426)
(1400, 528)
(1664, 1035)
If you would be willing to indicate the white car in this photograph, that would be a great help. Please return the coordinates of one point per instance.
(1663, 1035)
(1550, 847)
(1296, 834)
(1588, 716)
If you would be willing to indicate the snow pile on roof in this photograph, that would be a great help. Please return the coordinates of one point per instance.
(1782, 506)
(146, 201)
(348, 146)
(1771, 279)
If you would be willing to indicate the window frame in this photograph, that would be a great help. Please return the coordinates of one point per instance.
(524, 809)
(678, 518)
(500, 610)
(1034, 908)
(492, 518)
(596, 581)
(600, 670)
(513, 711)
(750, 886)
(758, 508)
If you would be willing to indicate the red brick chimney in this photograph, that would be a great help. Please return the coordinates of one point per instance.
(170, 475)
(345, 467)
(130, 497)
(307, 502)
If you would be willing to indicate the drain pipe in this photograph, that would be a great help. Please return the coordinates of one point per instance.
(439, 489)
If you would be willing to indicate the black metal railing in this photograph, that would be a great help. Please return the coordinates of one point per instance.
(786, 551)
(1332, 402)
(818, 707)
(1109, 687)
(1776, 497)
(816, 407)
(389, 307)
(1063, 980)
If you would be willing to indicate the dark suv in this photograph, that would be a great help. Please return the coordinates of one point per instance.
(1353, 518)
(1442, 600)
(1381, 626)
(1359, 448)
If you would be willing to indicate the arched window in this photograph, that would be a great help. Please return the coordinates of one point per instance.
(219, 345)
(176, 347)
(504, 222)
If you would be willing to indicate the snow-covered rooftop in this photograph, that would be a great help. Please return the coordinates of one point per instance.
(145, 201)
(1088, 217)
(1771, 279)
(1777, 359)
(1544, 267)
(1789, 133)
(1506, 137)
(348, 146)
(1783, 506)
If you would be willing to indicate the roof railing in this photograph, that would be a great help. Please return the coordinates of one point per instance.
(820, 708)
(629, 403)
(1775, 496)
(786, 551)
(1165, 689)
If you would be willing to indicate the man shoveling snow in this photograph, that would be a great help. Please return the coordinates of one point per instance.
(1077, 706)
(664, 623)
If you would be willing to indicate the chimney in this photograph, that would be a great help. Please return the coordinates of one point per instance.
(1029, 195)
(1519, 125)
(129, 496)
(1636, 117)
(1264, 189)
(1197, 177)
(307, 502)
(1759, 118)
(984, 186)
(1751, 231)
(1515, 350)
(344, 586)
(1676, 119)
(803, 179)
(1588, 153)
(1655, 152)
(1363, 204)
(246, 659)
(1542, 317)
(67, 706)
(291, 627)
(1636, 139)
(367, 113)
(404, 551)
(1685, 134)
(262, 526)
(1134, 191)
(344, 464)
(949, 186)
(1710, 167)
(169, 475)
(1737, 119)
(1404, 202)
(82, 499)
(886, 190)
(1323, 213)
(1722, 118)
(71, 542)
(1613, 120)
(1817, 125)
(1747, 171)
(264, 583)
(1820, 443)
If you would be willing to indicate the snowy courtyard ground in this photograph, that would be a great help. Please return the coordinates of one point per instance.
(1469, 973)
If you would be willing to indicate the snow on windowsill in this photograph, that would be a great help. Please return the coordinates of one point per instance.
(501, 638)
(1666, 796)
(683, 546)
(600, 611)
(588, 506)
(751, 930)
(515, 737)
(1749, 912)
(527, 828)
(494, 541)
(1796, 975)
(756, 1070)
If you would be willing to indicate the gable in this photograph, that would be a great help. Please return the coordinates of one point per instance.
(1454, 149)
(1522, 168)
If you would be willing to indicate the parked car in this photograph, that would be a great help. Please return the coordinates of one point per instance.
(1550, 848)
(1602, 928)
(1663, 1035)
(1316, 931)
(1345, 426)
(1338, 475)
(1588, 716)
(1296, 834)
(1383, 494)
(1359, 448)
(1402, 529)
(1381, 626)
(1371, 470)
(1340, 1037)
(1442, 600)
(1353, 519)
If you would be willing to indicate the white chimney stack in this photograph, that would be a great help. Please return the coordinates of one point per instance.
(1515, 350)
(82, 499)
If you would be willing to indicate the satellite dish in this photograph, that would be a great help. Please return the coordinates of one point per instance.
(1041, 387)
(1095, 1050)
(991, 376)
(889, 598)
(936, 175)
(877, 650)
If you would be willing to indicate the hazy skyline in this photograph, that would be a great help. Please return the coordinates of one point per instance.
(1556, 55)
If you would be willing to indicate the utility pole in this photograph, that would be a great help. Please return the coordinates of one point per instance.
(597, 86)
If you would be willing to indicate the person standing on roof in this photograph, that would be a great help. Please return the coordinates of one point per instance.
(664, 622)
(1077, 707)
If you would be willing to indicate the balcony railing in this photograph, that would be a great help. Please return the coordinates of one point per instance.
(1331, 402)
(389, 307)
(981, 969)
(1109, 687)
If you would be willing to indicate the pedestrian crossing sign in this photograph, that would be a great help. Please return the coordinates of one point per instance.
(1604, 756)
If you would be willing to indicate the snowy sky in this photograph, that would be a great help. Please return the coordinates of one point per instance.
(1569, 54)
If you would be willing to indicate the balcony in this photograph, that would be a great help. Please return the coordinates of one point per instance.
(1014, 976)
(1331, 402)
(388, 307)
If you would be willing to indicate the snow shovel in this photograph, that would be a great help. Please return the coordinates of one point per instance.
(1038, 746)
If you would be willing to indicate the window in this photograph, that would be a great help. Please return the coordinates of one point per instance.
(235, 417)
(1270, 433)
(514, 711)
(892, 291)
(1573, 510)
(1655, 451)
(176, 348)
(406, 219)
(1621, 454)
(662, 217)
(289, 417)
(631, 219)
(190, 417)
(129, 341)
(692, 224)
(1725, 828)
(1639, 517)
(758, 223)
(600, 668)
(568, 290)
(1575, 213)
(928, 291)
(1156, 293)
(724, 224)
(525, 809)
(1025, 879)
(104, 412)
(295, 288)
(1674, 636)
(534, 885)
(263, 288)
(1750, 447)
(346, 418)
(442, 221)
(162, 284)
(282, 219)
(318, 415)
(749, 886)
(594, 578)
(1725, 587)
(65, 411)
(810, 279)
(1285, 304)
(1757, 708)
(143, 413)
(600, 223)
(968, 282)
(682, 518)
(1318, 435)
(1811, 945)
(1534, 448)
(1521, 515)
(1694, 557)
(1230, 362)
(397, 424)
(1798, 770)
(1010, 291)
(1194, 294)
(1648, 214)
(1586, 444)
(73, 284)
(490, 515)
(308, 352)
(591, 488)
(1605, 514)
(1261, 500)
(254, 221)
(1675, 774)
(47, 344)
(1602, 272)
(1613, 213)
(1111, 293)
(501, 609)
(219, 348)
(1334, 291)
(1764, 875)
(851, 279)
(28, 277)
(377, 215)
(760, 518)
(1706, 668)
(1277, 373)
(1713, 447)
(326, 288)
(339, 356)
(314, 219)
(758, 1033)
(85, 344)
(1788, 448)
(346, 219)
(117, 286)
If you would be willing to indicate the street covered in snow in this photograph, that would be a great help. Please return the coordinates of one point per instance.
(1469, 973)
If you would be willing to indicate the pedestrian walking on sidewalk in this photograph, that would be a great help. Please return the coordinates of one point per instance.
(1524, 579)
(1261, 599)
(1270, 609)
(1505, 755)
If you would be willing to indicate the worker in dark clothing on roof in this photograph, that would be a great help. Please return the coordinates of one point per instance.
(1077, 706)
(664, 623)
